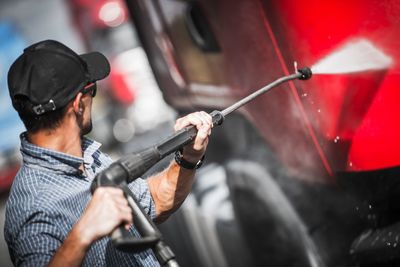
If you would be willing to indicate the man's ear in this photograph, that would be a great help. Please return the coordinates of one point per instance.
(77, 104)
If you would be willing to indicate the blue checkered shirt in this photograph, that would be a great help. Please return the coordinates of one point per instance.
(48, 196)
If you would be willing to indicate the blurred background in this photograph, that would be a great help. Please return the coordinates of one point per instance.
(306, 175)
(129, 103)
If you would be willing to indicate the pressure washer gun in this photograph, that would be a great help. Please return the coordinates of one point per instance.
(127, 169)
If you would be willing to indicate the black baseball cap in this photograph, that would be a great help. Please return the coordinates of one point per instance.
(49, 75)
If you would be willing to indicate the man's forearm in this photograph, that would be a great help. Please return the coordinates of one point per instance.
(169, 189)
(72, 251)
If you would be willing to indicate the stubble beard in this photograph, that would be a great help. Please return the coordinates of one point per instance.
(86, 128)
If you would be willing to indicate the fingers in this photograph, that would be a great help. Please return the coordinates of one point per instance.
(111, 191)
(201, 139)
(199, 119)
(105, 212)
(125, 214)
(203, 122)
(116, 203)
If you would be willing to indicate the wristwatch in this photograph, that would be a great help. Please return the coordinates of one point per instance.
(186, 164)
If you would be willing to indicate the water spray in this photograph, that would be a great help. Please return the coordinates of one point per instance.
(127, 169)
(354, 56)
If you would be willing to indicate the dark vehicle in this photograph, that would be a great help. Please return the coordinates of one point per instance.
(307, 174)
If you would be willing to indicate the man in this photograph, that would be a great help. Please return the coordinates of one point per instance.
(51, 216)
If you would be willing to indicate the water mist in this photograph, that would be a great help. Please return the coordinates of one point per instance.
(356, 56)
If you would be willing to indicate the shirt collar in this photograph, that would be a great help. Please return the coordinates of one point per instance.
(57, 161)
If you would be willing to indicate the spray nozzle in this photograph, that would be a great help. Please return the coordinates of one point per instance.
(305, 73)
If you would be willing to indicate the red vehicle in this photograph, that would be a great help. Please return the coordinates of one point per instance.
(312, 167)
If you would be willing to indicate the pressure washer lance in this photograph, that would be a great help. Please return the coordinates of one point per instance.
(130, 167)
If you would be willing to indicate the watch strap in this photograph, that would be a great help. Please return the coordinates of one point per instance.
(186, 164)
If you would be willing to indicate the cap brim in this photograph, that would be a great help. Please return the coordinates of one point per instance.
(98, 65)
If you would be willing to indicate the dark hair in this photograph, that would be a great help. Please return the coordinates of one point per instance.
(33, 123)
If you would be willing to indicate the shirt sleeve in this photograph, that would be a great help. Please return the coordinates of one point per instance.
(140, 189)
(37, 241)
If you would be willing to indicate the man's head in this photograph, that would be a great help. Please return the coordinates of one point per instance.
(47, 78)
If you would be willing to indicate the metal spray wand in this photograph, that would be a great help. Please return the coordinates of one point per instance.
(130, 167)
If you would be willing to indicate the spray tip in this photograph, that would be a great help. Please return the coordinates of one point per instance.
(305, 73)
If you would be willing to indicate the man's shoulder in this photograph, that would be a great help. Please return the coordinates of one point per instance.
(27, 190)
(30, 186)
(32, 177)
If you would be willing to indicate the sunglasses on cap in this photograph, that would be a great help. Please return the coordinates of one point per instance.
(91, 89)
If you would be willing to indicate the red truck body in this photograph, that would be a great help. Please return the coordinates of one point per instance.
(340, 121)
(339, 130)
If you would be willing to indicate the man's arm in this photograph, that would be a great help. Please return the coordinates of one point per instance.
(106, 210)
(170, 188)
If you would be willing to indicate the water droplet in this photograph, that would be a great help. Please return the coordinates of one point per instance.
(304, 95)
(319, 110)
(337, 138)
(394, 245)
(388, 243)
(350, 164)
(370, 207)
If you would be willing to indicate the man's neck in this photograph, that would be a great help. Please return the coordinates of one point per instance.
(61, 139)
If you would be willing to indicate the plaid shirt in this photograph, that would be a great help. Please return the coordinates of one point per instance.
(48, 196)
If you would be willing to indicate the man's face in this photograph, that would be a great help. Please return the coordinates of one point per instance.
(85, 121)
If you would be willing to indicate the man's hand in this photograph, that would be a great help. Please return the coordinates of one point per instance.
(107, 209)
(170, 187)
(203, 122)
